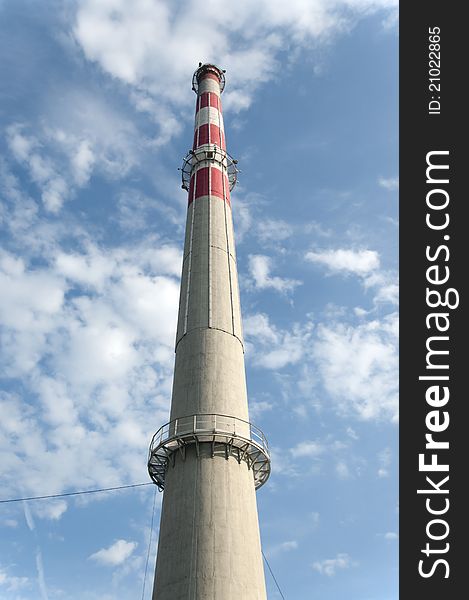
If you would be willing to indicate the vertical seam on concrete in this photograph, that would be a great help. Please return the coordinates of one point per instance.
(194, 537)
(199, 100)
(189, 265)
(209, 208)
(227, 239)
(208, 119)
(209, 295)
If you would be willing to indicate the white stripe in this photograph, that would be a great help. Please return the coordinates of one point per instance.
(209, 85)
(209, 114)
(207, 163)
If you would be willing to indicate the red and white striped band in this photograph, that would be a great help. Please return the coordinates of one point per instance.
(209, 134)
(209, 181)
(208, 99)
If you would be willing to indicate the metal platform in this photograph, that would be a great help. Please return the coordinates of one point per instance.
(208, 68)
(209, 153)
(232, 436)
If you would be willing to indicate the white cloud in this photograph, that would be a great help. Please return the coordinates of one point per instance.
(88, 134)
(342, 470)
(356, 365)
(358, 262)
(115, 554)
(121, 38)
(91, 334)
(91, 269)
(391, 536)
(10, 523)
(41, 575)
(258, 407)
(20, 145)
(10, 583)
(390, 183)
(359, 367)
(250, 217)
(51, 510)
(384, 460)
(310, 448)
(282, 547)
(365, 264)
(81, 134)
(135, 211)
(388, 294)
(260, 268)
(326, 455)
(386, 285)
(259, 327)
(275, 348)
(314, 518)
(28, 516)
(82, 162)
(273, 230)
(168, 123)
(283, 464)
(41, 169)
(290, 545)
(330, 566)
(101, 350)
(242, 216)
(30, 299)
(317, 229)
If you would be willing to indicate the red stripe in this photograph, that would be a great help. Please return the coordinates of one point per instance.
(209, 76)
(191, 189)
(203, 135)
(216, 183)
(227, 190)
(197, 105)
(204, 100)
(202, 185)
(208, 99)
(217, 136)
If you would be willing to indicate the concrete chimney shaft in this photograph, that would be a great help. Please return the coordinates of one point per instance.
(209, 459)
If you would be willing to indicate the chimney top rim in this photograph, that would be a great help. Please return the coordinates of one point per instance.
(208, 68)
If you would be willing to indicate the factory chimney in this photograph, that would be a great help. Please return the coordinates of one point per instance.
(209, 458)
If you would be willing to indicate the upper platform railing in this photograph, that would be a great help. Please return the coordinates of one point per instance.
(239, 439)
(208, 68)
(206, 155)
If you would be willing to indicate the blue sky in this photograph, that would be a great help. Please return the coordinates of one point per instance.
(96, 114)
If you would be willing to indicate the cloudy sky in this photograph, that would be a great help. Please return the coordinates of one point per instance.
(96, 113)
